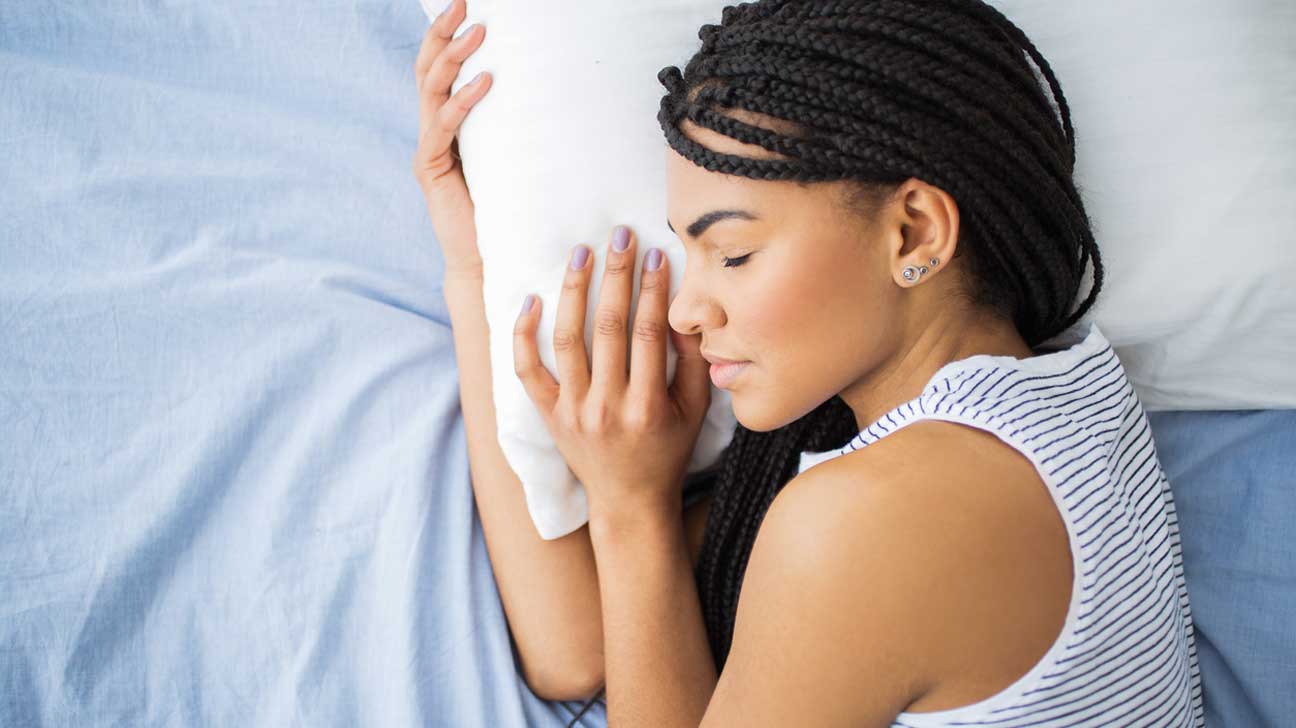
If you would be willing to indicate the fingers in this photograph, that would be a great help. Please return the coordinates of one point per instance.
(691, 388)
(569, 326)
(435, 39)
(440, 58)
(438, 125)
(651, 330)
(539, 384)
(609, 360)
(692, 385)
(434, 93)
(451, 115)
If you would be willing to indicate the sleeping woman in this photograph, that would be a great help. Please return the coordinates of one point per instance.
(885, 257)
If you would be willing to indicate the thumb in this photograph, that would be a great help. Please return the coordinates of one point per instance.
(692, 384)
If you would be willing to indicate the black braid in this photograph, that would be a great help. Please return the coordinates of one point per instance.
(880, 91)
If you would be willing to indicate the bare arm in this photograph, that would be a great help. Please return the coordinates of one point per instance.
(549, 589)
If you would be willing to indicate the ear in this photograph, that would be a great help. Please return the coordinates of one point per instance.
(928, 220)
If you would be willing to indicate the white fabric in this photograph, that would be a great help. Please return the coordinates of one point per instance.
(1186, 159)
(564, 147)
(1185, 118)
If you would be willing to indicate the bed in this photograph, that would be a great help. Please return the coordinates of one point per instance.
(234, 488)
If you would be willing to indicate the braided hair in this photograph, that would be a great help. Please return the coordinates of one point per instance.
(880, 91)
(876, 92)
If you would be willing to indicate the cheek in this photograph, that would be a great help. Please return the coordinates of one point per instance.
(787, 319)
(806, 327)
(770, 309)
(809, 299)
(797, 324)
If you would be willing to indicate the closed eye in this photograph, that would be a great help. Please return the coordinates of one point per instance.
(734, 262)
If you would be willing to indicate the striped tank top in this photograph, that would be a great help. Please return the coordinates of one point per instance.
(1126, 655)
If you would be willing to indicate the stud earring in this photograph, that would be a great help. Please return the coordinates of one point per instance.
(910, 273)
(934, 262)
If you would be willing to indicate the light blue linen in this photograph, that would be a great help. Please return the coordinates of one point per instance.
(1233, 475)
(233, 482)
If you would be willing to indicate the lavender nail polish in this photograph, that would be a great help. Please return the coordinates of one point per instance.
(620, 238)
(526, 303)
(653, 260)
(579, 257)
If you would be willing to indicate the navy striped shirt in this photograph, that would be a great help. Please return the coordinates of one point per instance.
(1126, 655)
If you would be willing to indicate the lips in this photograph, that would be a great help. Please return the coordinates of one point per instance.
(723, 375)
(725, 371)
(721, 360)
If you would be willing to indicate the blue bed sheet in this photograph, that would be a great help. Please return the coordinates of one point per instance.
(233, 481)
(1233, 475)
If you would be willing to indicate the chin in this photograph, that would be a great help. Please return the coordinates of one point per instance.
(765, 414)
(757, 419)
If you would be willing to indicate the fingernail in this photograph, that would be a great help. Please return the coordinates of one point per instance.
(464, 33)
(526, 303)
(477, 79)
(653, 260)
(579, 257)
(620, 238)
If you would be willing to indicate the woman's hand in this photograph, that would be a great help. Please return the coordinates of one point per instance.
(625, 435)
(436, 163)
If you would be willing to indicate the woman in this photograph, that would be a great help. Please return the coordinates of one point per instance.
(885, 251)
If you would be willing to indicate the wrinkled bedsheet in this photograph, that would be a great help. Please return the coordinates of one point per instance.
(233, 480)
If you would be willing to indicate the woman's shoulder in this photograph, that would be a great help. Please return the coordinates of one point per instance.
(953, 535)
(929, 468)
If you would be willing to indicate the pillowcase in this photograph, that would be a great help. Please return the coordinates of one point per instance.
(1186, 158)
(563, 148)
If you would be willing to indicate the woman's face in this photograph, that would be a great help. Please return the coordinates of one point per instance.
(811, 303)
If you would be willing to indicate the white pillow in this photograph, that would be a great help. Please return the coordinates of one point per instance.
(1186, 152)
(564, 147)
(1185, 118)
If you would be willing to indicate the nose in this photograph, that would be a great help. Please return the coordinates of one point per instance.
(692, 311)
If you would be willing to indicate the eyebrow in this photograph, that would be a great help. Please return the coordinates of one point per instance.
(700, 225)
